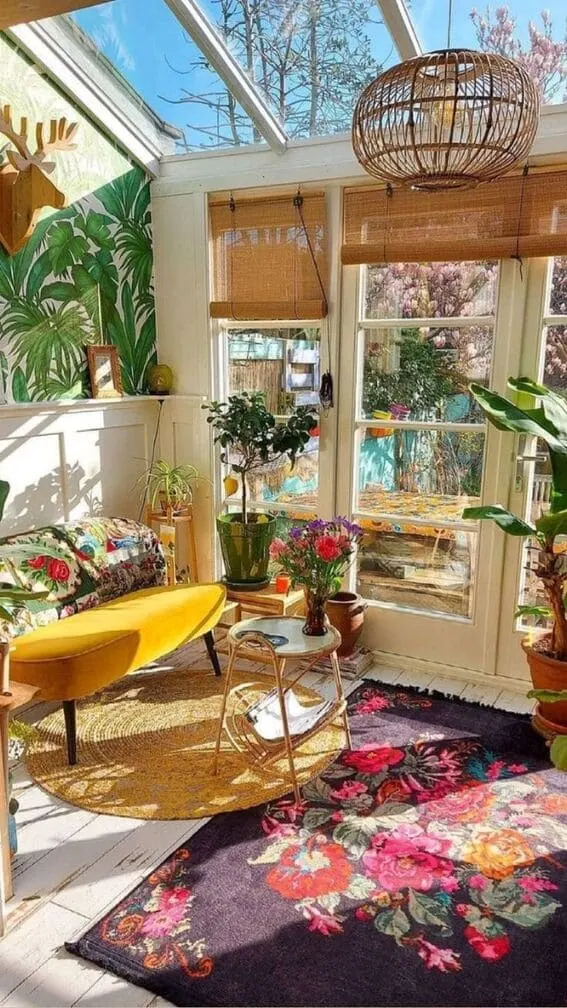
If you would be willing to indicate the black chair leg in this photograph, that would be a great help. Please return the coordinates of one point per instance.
(70, 712)
(210, 642)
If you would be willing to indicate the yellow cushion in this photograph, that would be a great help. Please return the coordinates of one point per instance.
(78, 655)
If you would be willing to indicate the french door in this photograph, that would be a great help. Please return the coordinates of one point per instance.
(407, 449)
(544, 356)
(419, 451)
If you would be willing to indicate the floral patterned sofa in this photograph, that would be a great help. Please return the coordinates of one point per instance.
(108, 609)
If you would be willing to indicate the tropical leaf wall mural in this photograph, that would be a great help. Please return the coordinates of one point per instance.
(86, 275)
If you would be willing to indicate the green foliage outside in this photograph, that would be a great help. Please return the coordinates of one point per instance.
(426, 377)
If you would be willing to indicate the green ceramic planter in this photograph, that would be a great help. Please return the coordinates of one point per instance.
(245, 548)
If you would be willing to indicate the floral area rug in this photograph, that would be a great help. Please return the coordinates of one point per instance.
(424, 867)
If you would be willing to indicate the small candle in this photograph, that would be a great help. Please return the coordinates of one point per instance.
(282, 583)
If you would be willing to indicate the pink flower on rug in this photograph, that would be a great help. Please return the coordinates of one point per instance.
(532, 884)
(171, 899)
(407, 858)
(465, 805)
(349, 789)
(487, 948)
(438, 958)
(478, 882)
(495, 769)
(373, 759)
(160, 923)
(372, 704)
(325, 924)
(517, 768)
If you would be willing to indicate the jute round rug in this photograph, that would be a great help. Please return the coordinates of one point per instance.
(145, 749)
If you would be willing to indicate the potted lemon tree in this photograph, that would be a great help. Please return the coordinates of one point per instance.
(547, 656)
(250, 438)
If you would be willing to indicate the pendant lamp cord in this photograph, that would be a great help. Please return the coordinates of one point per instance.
(517, 255)
(326, 389)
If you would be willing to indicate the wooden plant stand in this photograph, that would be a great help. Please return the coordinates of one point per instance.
(180, 548)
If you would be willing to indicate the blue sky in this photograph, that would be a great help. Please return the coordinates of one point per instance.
(145, 41)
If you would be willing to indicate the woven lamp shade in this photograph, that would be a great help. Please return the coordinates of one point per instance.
(446, 120)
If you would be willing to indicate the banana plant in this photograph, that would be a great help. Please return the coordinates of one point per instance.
(548, 423)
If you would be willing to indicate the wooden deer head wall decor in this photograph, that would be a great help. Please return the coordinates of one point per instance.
(24, 184)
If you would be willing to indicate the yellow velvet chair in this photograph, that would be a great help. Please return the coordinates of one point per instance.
(108, 611)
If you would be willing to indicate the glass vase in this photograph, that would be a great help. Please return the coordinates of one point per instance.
(315, 617)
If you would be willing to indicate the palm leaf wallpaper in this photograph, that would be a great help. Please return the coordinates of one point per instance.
(86, 275)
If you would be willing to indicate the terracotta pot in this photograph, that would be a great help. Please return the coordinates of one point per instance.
(346, 613)
(547, 673)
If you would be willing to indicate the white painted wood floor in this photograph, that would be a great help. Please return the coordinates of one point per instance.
(73, 865)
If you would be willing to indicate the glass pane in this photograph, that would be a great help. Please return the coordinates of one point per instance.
(422, 474)
(282, 363)
(424, 373)
(281, 484)
(555, 360)
(534, 35)
(430, 290)
(310, 60)
(428, 569)
(147, 45)
(558, 292)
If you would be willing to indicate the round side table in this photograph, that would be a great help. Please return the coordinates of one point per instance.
(277, 641)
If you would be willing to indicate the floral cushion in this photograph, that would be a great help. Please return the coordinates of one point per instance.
(119, 554)
(44, 561)
(80, 565)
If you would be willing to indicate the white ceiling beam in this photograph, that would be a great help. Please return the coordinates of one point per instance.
(217, 53)
(401, 27)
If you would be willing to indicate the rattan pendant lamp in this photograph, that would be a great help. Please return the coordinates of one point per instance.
(446, 120)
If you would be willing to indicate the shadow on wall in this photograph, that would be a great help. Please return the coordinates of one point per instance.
(42, 503)
(85, 276)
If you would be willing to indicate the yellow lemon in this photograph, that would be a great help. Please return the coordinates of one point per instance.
(230, 485)
(262, 519)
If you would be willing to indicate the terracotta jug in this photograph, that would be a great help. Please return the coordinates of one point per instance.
(346, 612)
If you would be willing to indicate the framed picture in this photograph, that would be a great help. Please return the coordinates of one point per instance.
(104, 371)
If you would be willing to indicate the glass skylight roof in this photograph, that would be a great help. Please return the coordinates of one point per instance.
(147, 44)
(308, 59)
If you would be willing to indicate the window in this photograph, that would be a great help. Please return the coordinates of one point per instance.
(283, 363)
(426, 332)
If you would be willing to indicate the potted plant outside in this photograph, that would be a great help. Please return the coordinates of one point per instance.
(169, 488)
(250, 439)
(547, 656)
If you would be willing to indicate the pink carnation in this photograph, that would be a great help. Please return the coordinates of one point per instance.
(327, 548)
(277, 548)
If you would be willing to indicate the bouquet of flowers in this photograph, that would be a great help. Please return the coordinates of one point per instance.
(317, 556)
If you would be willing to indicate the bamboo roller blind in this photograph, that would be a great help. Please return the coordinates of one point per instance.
(261, 264)
(517, 216)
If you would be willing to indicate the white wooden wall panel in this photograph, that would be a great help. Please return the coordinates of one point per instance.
(67, 460)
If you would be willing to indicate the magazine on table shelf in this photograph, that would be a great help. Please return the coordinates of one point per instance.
(265, 715)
